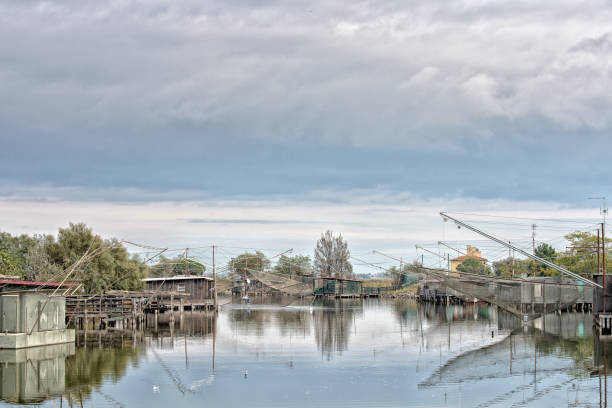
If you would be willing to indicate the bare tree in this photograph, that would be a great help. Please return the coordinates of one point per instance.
(331, 256)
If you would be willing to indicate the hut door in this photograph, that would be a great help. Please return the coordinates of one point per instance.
(10, 317)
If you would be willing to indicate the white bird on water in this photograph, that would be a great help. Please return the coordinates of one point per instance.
(156, 388)
(245, 372)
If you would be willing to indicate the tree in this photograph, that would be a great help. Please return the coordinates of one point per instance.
(175, 266)
(111, 268)
(505, 267)
(249, 262)
(545, 251)
(581, 259)
(331, 256)
(8, 266)
(548, 253)
(17, 247)
(293, 266)
(395, 275)
(38, 265)
(471, 265)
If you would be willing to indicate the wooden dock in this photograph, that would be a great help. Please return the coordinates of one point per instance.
(118, 309)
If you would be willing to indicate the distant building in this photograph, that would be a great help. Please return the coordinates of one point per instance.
(471, 253)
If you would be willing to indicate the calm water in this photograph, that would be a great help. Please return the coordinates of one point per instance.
(374, 353)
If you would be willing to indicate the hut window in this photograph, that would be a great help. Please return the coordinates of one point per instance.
(180, 287)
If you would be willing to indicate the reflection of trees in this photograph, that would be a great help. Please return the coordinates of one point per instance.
(579, 350)
(252, 319)
(290, 322)
(405, 311)
(333, 322)
(193, 324)
(89, 368)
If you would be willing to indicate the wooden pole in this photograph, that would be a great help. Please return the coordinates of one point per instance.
(186, 272)
(214, 279)
(172, 317)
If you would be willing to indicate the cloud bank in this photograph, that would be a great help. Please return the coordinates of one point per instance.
(142, 100)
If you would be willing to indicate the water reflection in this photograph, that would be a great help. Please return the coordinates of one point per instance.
(89, 368)
(334, 321)
(35, 374)
(332, 352)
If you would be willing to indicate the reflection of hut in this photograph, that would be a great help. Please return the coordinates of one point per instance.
(330, 286)
(35, 374)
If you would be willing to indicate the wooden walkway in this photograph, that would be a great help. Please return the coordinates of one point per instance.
(119, 309)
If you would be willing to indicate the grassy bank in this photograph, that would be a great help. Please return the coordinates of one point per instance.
(377, 283)
(407, 291)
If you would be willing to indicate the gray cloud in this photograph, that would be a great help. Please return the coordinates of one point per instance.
(244, 221)
(154, 99)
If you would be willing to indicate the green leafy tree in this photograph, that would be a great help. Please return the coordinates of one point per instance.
(38, 265)
(331, 256)
(111, 268)
(175, 266)
(247, 263)
(293, 266)
(17, 247)
(8, 266)
(473, 266)
(547, 252)
(582, 259)
(505, 267)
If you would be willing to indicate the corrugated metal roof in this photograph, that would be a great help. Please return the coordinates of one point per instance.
(34, 283)
(172, 278)
(342, 279)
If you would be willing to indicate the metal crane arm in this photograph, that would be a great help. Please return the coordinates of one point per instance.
(519, 250)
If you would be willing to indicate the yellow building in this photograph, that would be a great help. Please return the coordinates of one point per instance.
(471, 253)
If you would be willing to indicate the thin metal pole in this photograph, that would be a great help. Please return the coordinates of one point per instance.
(599, 268)
(603, 259)
(533, 227)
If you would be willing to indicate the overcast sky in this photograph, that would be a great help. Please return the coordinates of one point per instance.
(274, 104)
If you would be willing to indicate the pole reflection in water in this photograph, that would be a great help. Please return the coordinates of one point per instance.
(602, 359)
(330, 352)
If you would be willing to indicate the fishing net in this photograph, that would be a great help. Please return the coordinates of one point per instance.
(526, 297)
